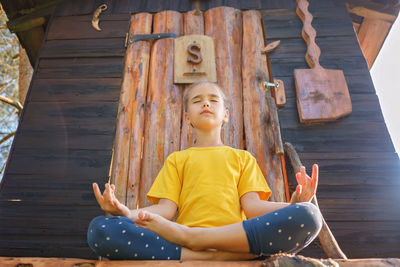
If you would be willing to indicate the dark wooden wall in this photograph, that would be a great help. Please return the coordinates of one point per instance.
(64, 141)
(359, 170)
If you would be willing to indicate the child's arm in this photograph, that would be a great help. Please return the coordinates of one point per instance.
(109, 203)
(253, 206)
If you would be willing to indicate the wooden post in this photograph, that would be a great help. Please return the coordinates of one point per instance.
(163, 103)
(130, 120)
(255, 109)
(326, 238)
(193, 23)
(224, 24)
(259, 138)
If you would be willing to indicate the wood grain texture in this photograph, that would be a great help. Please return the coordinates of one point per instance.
(371, 36)
(193, 23)
(225, 25)
(163, 103)
(259, 140)
(322, 95)
(125, 172)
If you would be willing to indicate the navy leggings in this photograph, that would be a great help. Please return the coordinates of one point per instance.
(289, 229)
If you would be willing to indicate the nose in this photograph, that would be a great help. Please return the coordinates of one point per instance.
(206, 103)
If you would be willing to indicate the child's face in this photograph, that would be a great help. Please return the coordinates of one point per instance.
(206, 110)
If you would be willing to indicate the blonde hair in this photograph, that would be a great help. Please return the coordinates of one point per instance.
(194, 85)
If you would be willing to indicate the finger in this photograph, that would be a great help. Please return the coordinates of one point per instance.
(299, 189)
(107, 192)
(315, 176)
(97, 193)
(303, 175)
(113, 187)
(298, 178)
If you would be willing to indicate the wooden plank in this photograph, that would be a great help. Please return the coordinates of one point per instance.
(224, 24)
(349, 65)
(366, 109)
(68, 113)
(284, 23)
(331, 47)
(106, 47)
(371, 36)
(74, 7)
(80, 27)
(163, 104)
(59, 138)
(358, 84)
(255, 109)
(193, 23)
(125, 172)
(108, 67)
(78, 163)
(75, 90)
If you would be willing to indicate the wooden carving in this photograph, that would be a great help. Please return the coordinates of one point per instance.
(194, 59)
(322, 94)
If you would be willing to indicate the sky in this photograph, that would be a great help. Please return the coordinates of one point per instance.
(385, 73)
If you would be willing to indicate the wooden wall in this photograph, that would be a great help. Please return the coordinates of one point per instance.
(359, 170)
(64, 141)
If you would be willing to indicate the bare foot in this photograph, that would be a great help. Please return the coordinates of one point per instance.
(171, 231)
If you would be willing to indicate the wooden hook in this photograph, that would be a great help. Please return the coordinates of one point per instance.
(96, 14)
(270, 47)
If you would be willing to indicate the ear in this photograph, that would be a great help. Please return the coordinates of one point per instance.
(226, 116)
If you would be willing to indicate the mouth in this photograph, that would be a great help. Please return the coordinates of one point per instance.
(206, 111)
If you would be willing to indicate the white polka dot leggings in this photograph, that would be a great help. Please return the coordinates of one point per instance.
(289, 229)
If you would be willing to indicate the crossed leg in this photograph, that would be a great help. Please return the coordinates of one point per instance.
(289, 229)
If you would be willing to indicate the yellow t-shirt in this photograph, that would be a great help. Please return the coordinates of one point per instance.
(206, 184)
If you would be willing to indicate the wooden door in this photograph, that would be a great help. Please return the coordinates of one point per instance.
(150, 122)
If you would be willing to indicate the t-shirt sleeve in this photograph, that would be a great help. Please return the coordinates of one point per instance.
(167, 183)
(252, 179)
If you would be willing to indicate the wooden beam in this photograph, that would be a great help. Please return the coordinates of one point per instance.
(371, 36)
(275, 260)
(370, 13)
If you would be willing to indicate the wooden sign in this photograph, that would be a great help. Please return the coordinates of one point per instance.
(194, 59)
(322, 94)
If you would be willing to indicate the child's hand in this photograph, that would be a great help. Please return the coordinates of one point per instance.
(307, 187)
(108, 202)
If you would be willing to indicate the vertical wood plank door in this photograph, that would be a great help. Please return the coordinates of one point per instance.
(151, 123)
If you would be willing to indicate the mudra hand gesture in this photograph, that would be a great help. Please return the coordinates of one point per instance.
(108, 201)
(307, 186)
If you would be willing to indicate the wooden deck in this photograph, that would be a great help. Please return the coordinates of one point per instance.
(64, 140)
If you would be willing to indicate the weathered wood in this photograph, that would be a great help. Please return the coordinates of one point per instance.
(371, 36)
(125, 172)
(328, 241)
(163, 104)
(80, 27)
(280, 96)
(194, 59)
(75, 90)
(193, 23)
(322, 95)
(276, 260)
(103, 47)
(80, 67)
(224, 24)
(259, 140)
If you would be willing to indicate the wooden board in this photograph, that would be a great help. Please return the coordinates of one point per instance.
(163, 104)
(322, 95)
(201, 49)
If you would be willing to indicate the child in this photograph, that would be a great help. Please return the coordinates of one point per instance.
(214, 188)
